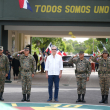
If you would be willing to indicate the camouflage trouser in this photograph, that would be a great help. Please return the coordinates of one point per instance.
(104, 84)
(26, 84)
(81, 85)
(2, 81)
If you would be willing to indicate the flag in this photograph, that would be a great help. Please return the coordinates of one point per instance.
(48, 49)
(58, 52)
(63, 53)
(98, 50)
(24, 4)
(93, 53)
(103, 46)
(106, 40)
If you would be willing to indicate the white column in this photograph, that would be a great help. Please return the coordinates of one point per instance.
(10, 41)
(22, 41)
(16, 41)
(26, 40)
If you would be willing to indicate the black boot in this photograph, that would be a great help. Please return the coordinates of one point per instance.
(106, 99)
(28, 97)
(83, 98)
(1, 96)
(24, 98)
(79, 98)
(103, 100)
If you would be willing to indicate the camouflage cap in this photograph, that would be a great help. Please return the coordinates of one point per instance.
(105, 51)
(1, 47)
(26, 48)
(81, 52)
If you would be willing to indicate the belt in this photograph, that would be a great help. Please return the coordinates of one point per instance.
(81, 72)
(27, 70)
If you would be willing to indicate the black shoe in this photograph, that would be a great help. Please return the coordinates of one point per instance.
(103, 100)
(24, 98)
(56, 100)
(1, 96)
(106, 99)
(79, 98)
(83, 98)
(49, 100)
(28, 97)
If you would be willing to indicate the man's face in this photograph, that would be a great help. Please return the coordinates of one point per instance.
(26, 51)
(6, 52)
(105, 55)
(81, 55)
(1, 51)
(54, 50)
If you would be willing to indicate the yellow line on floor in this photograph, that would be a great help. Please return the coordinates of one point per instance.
(14, 104)
(77, 106)
(66, 105)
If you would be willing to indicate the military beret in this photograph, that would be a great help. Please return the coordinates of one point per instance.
(1, 47)
(81, 52)
(26, 48)
(105, 51)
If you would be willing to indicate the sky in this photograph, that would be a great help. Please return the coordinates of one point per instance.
(77, 39)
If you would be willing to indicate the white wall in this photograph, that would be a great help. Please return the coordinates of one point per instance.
(26, 40)
(10, 41)
(21, 40)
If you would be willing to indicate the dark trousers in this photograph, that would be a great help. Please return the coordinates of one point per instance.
(15, 72)
(38, 67)
(55, 79)
(96, 66)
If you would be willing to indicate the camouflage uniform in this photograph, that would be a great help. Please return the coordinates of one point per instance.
(83, 70)
(28, 67)
(104, 76)
(4, 69)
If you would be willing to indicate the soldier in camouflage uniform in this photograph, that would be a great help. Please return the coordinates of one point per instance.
(104, 75)
(83, 71)
(4, 70)
(28, 69)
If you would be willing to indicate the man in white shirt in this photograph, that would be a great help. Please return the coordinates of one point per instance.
(53, 68)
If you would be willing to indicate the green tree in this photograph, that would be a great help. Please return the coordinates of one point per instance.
(75, 46)
(69, 48)
(34, 49)
(105, 43)
(103, 40)
(74, 43)
(43, 42)
(60, 44)
(79, 47)
(108, 47)
(89, 45)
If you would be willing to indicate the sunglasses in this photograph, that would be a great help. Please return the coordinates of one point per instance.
(26, 50)
(54, 49)
(0, 50)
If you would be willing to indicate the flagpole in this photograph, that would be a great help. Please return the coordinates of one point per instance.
(93, 44)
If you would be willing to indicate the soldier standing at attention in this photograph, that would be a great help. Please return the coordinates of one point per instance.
(28, 69)
(104, 74)
(4, 70)
(82, 72)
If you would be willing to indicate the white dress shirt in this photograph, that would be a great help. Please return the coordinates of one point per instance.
(54, 65)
